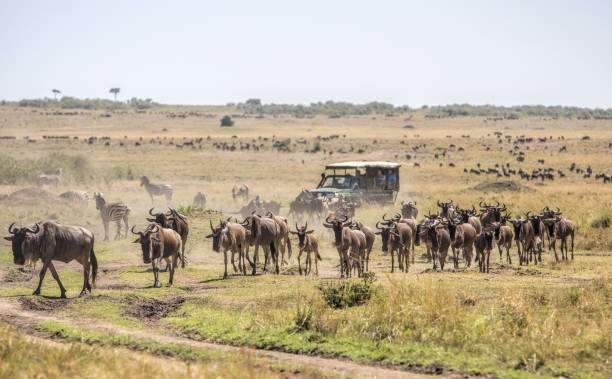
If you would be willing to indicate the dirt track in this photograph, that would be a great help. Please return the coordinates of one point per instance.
(12, 312)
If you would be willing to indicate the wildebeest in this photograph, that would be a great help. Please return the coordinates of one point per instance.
(156, 189)
(490, 213)
(448, 209)
(159, 243)
(439, 236)
(409, 210)
(346, 241)
(263, 232)
(462, 237)
(503, 237)
(469, 216)
(50, 241)
(283, 236)
(523, 234)
(411, 222)
(396, 237)
(240, 190)
(370, 237)
(112, 212)
(561, 228)
(233, 237)
(50, 179)
(200, 200)
(483, 245)
(308, 243)
(176, 222)
(75, 196)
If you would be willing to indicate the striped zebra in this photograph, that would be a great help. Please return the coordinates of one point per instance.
(112, 212)
(156, 189)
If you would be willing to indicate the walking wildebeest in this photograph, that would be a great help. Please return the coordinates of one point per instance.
(307, 243)
(503, 237)
(156, 189)
(523, 234)
(483, 245)
(346, 241)
(49, 241)
(263, 232)
(283, 229)
(175, 221)
(439, 236)
(561, 228)
(159, 243)
(370, 237)
(396, 236)
(462, 235)
(448, 209)
(240, 190)
(229, 236)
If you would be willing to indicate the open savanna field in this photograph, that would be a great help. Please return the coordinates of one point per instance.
(548, 320)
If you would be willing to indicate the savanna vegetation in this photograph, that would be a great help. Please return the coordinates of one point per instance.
(549, 320)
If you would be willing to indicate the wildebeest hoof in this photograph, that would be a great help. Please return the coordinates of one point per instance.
(83, 292)
(63, 295)
(157, 285)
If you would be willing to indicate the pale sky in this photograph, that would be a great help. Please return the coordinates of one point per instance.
(401, 52)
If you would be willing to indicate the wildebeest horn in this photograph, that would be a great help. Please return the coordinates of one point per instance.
(558, 211)
(527, 214)
(503, 207)
(345, 218)
(497, 203)
(327, 219)
(306, 226)
(473, 208)
(378, 227)
(28, 229)
(480, 204)
(211, 225)
(133, 232)
(386, 219)
(11, 230)
(397, 216)
(151, 212)
(440, 205)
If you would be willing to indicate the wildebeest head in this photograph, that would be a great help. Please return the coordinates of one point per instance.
(100, 202)
(19, 235)
(447, 208)
(337, 224)
(550, 225)
(159, 218)
(301, 233)
(535, 222)
(516, 225)
(147, 240)
(217, 234)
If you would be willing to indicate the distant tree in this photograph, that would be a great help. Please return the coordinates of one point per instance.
(254, 101)
(115, 91)
(227, 121)
(56, 92)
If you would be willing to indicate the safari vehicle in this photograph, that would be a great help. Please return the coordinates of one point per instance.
(358, 181)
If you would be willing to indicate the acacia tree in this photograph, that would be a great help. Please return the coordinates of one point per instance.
(56, 92)
(115, 91)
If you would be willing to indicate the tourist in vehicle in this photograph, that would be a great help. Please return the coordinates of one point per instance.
(380, 179)
(391, 179)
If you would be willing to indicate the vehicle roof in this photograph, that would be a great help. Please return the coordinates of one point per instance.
(356, 164)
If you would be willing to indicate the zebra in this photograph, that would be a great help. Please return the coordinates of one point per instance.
(112, 212)
(50, 179)
(156, 189)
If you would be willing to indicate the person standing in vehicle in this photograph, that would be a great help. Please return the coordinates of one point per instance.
(391, 179)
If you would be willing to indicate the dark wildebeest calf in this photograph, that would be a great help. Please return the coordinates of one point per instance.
(307, 243)
(49, 241)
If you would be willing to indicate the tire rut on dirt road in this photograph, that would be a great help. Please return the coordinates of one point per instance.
(13, 313)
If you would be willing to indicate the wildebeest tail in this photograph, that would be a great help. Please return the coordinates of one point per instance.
(94, 266)
(289, 247)
(319, 256)
(272, 248)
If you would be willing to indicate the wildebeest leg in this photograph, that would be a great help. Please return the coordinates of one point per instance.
(233, 264)
(225, 262)
(572, 237)
(266, 250)
(488, 257)
(175, 258)
(299, 257)
(57, 279)
(183, 254)
(86, 286)
(316, 259)
(442, 260)
(43, 271)
(392, 260)
(155, 273)
(254, 265)
(508, 258)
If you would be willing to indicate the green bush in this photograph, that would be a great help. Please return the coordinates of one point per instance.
(348, 293)
(227, 121)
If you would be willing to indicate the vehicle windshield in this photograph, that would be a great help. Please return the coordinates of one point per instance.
(337, 181)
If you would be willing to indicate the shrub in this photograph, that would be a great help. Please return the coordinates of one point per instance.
(348, 293)
(227, 121)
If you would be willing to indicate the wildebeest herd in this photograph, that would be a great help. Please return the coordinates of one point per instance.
(464, 231)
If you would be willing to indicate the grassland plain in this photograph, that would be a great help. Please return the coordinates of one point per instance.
(546, 320)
